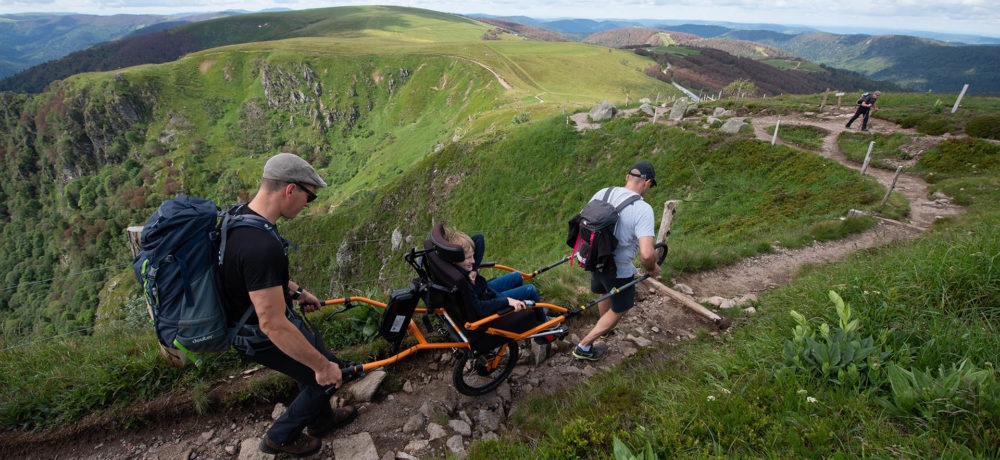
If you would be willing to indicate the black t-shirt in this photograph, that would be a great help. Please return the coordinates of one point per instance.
(868, 99)
(254, 260)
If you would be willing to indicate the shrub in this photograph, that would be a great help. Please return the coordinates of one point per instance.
(934, 126)
(987, 127)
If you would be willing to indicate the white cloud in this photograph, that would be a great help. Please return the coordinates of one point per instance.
(969, 16)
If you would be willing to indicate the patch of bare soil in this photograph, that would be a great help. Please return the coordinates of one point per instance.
(420, 394)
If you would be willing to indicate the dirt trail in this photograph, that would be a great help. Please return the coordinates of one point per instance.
(421, 384)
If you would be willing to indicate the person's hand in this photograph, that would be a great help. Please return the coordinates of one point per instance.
(309, 301)
(472, 276)
(517, 304)
(329, 374)
(655, 272)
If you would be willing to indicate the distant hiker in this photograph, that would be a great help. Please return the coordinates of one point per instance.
(255, 274)
(500, 292)
(865, 105)
(635, 232)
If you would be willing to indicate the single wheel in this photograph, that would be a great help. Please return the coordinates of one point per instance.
(479, 373)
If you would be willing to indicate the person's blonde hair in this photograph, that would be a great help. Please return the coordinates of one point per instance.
(461, 239)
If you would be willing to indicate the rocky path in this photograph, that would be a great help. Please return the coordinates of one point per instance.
(415, 412)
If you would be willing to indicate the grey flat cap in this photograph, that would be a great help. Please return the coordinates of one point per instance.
(288, 167)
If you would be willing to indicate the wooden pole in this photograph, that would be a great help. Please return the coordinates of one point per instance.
(669, 208)
(868, 157)
(825, 94)
(174, 357)
(775, 136)
(957, 101)
(899, 169)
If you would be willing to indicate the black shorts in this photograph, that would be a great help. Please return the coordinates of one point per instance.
(602, 283)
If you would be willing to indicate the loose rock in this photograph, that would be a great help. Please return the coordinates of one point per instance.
(356, 447)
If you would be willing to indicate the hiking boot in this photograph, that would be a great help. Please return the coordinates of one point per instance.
(341, 416)
(864, 129)
(595, 353)
(304, 446)
(847, 125)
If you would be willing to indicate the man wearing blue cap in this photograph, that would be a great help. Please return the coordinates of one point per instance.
(635, 232)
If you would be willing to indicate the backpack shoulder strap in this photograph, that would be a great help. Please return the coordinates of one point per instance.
(607, 195)
(628, 201)
(230, 221)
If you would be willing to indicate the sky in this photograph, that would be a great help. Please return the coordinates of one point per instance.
(972, 17)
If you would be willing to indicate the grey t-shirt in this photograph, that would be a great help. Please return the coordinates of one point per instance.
(634, 222)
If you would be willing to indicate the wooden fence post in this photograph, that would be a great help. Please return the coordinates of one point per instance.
(649, 283)
(775, 136)
(962, 94)
(868, 157)
(825, 94)
(174, 357)
(899, 169)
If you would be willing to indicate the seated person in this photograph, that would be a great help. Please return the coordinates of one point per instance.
(497, 293)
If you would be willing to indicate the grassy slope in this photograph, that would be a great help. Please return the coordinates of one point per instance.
(518, 189)
(929, 304)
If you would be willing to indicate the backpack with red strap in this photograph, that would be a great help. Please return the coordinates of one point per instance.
(592, 233)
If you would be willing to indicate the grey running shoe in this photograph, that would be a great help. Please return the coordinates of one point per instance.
(595, 353)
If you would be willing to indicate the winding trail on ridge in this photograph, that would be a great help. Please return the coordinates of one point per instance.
(772, 270)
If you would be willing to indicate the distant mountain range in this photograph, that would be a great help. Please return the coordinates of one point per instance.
(27, 40)
(918, 64)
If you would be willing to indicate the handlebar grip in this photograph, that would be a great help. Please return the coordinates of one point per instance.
(346, 373)
(659, 260)
(505, 310)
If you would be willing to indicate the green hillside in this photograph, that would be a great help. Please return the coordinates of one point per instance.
(116, 144)
(518, 188)
(916, 63)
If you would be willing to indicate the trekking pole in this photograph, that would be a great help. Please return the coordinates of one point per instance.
(618, 290)
(548, 267)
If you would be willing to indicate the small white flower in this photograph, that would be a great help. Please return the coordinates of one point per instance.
(710, 398)
(725, 391)
(810, 399)
(802, 392)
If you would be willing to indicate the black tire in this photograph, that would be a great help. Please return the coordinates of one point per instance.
(473, 378)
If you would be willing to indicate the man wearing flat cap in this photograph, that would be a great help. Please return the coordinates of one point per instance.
(635, 232)
(255, 273)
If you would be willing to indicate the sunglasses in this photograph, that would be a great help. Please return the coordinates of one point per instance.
(310, 195)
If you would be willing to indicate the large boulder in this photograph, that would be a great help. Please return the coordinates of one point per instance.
(648, 109)
(678, 110)
(734, 125)
(363, 390)
(603, 111)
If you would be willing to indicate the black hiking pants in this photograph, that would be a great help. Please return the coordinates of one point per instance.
(312, 405)
(862, 110)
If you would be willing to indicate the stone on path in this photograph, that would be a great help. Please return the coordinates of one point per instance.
(356, 447)
(363, 390)
(249, 450)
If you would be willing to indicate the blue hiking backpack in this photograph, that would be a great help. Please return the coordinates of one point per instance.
(177, 268)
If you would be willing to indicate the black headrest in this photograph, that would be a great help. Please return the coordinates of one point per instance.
(448, 252)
